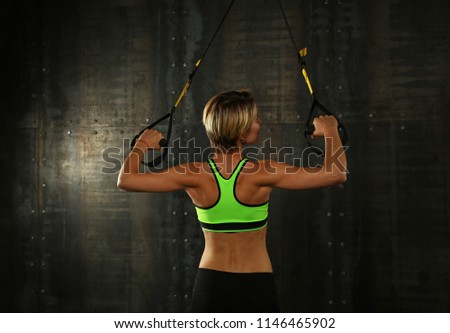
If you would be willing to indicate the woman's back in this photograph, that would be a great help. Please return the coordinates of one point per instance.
(232, 251)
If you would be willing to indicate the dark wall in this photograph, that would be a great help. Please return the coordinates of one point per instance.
(80, 78)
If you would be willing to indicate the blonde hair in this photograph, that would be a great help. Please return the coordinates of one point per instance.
(227, 116)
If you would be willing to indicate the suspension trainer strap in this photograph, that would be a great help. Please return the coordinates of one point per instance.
(315, 103)
(165, 141)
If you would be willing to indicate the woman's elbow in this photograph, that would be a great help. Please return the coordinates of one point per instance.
(340, 178)
(122, 183)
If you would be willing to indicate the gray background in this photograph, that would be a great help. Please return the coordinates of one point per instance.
(80, 78)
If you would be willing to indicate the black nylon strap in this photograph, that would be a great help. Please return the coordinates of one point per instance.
(165, 141)
(315, 103)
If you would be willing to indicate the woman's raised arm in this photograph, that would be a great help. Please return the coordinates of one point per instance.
(333, 171)
(131, 179)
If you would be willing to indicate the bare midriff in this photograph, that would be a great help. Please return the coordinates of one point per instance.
(241, 252)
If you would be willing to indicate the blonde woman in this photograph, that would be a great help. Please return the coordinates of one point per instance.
(231, 196)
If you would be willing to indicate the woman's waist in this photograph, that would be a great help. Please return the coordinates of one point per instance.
(236, 259)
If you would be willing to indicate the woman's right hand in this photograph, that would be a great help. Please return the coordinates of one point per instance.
(323, 125)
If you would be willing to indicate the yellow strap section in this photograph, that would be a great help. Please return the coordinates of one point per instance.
(183, 92)
(186, 87)
(305, 76)
(303, 52)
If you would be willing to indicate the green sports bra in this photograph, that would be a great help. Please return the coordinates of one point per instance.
(228, 214)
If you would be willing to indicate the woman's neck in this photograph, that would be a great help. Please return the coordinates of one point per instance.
(228, 158)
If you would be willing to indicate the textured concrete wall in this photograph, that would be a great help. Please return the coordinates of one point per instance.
(80, 78)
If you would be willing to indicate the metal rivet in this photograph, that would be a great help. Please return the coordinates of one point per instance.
(344, 301)
(340, 115)
(339, 59)
(43, 185)
(342, 244)
(32, 237)
(43, 211)
(327, 87)
(43, 69)
(185, 131)
(330, 273)
(341, 186)
(186, 296)
(186, 240)
(402, 127)
(341, 214)
(31, 264)
(327, 30)
(174, 37)
(339, 30)
(370, 115)
(174, 213)
(147, 120)
(185, 37)
(327, 59)
(340, 87)
(173, 64)
(173, 92)
(33, 160)
(330, 302)
(42, 291)
(298, 116)
(174, 268)
(32, 211)
(343, 273)
(174, 12)
(402, 114)
(174, 240)
(43, 264)
(330, 244)
(329, 214)
(175, 296)
(185, 11)
(69, 132)
(326, 2)
(185, 213)
(43, 238)
(34, 96)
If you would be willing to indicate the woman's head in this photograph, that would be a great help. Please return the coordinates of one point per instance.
(229, 118)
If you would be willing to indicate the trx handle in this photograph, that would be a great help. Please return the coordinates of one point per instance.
(165, 141)
(315, 103)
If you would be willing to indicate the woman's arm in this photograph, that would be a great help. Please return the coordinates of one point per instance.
(172, 179)
(333, 171)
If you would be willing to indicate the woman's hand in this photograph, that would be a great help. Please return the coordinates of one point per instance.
(323, 125)
(152, 138)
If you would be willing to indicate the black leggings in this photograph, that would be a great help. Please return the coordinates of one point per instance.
(216, 291)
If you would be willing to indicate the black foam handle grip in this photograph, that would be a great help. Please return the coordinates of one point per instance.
(310, 129)
(163, 143)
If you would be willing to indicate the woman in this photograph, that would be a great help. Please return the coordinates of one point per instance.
(231, 195)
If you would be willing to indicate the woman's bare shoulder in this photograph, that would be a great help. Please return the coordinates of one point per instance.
(193, 168)
(261, 166)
